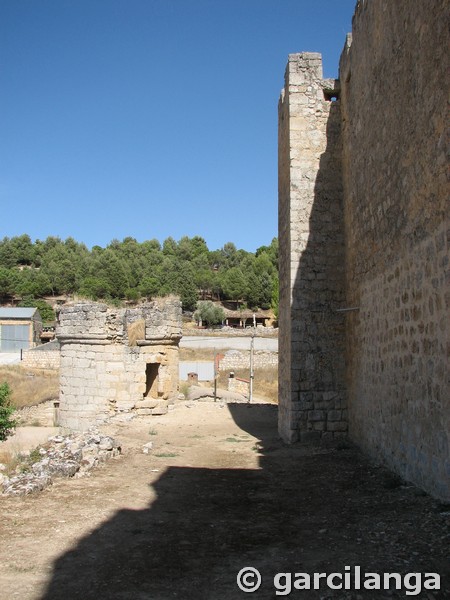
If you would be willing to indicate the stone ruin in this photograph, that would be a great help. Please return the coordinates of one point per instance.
(117, 360)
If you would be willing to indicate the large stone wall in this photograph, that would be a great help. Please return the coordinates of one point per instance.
(311, 251)
(115, 361)
(395, 90)
(393, 212)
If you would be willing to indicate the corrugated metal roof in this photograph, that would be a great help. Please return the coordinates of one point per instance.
(7, 312)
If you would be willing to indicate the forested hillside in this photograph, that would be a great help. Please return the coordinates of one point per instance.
(132, 270)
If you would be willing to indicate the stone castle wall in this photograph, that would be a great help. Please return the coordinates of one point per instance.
(387, 310)
(311, 245)
(394, 79)
(115, 361)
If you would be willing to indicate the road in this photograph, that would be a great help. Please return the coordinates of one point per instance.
(235, 343)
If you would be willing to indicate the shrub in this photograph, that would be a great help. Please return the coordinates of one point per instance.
(45, 310)
(7, 425)
(209, 313)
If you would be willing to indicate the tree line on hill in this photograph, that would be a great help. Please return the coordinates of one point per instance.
(130, 270)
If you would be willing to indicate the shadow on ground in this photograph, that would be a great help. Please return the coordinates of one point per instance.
(306, 509)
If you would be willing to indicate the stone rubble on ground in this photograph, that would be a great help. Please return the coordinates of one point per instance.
(64, 456)
(147, 448)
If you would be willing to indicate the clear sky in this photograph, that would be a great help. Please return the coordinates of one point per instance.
(150, 118)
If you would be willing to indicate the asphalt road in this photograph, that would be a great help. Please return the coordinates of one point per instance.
(235, 343)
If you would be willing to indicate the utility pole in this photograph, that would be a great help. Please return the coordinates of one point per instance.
(252, 343)
(215, 376)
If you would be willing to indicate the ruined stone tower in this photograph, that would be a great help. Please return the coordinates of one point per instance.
(117, 360)
(311, 236)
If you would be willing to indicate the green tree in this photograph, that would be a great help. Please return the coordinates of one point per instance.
(150, 287)
(209, 313)
(22, 249)
(7, 258)
(32, 282)
(95, 288)
(184, 286)
(113, 270)
(7, 280)
(7, 425)
(271, 251)
(275, 295)
(132, 294)
(234, 285)
(45, 310)
(259, 290)
(169, 246)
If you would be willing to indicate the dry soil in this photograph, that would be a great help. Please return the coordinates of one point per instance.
(218, 492)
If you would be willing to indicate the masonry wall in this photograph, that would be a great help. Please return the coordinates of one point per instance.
(105, 357)
(234, 359)
(311, 255)
(395, 88)
(386, 139)
(45, 356)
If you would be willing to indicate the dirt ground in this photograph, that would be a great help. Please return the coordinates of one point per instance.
(27, 438)
(218, 492)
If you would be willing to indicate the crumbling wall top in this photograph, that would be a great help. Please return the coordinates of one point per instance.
(304, 67)
(97, 323)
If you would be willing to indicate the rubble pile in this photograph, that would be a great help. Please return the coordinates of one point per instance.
(63, 456)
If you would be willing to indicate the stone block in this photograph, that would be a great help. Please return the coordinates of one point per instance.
(334, 415)
(147, 403)
(337, 426)
(302, 405)
(124, 405)
(161, 408)
(316, 415)
(319, 425)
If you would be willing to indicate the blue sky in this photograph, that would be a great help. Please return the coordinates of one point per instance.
(150, 118)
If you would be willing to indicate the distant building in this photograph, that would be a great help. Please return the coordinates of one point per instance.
(20, 328)
(246, 318)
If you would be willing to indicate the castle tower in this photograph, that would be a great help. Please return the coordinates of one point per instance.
(311, 255)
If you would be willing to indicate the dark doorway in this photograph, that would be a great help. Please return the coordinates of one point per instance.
(151, 380)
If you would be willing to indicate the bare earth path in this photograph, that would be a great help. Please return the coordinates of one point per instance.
(219, 492)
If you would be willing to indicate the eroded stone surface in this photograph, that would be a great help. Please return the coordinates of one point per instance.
(62, 456)
(114, 359)
(364, 245)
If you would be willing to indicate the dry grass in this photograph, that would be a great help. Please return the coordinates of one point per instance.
(265, 381)
(10, 460)
(194, 354)
(30, 386)
(136, 331)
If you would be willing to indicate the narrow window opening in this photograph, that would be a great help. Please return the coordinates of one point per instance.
(331, 96)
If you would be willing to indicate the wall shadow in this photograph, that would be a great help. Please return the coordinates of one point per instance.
(301, 510)
(318, 296)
